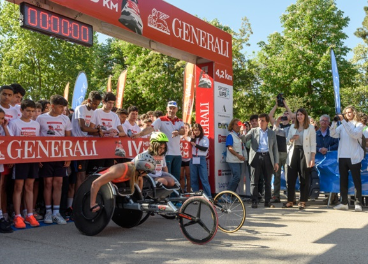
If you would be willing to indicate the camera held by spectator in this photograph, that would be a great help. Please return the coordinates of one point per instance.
(280, 100)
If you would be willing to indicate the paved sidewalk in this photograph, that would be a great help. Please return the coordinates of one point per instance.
(316, 235)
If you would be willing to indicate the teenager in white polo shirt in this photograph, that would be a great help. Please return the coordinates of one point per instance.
(173, 127)
(19, 93)
(6, 95)
(108, 122)
(54, 124)
(131, 122)
(81, 121)
(24, 174)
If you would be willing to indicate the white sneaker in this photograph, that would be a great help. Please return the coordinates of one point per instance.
(48, 218)
(358, 208)
(58, 219)
(341, 207)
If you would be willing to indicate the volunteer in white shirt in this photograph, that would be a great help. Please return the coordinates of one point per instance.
(198, 164)
(350, 155)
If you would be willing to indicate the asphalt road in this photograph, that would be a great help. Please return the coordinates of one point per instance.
(316, 235)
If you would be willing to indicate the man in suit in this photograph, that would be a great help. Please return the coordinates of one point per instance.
(263, 157)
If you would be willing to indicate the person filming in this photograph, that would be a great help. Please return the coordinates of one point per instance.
(350, 154)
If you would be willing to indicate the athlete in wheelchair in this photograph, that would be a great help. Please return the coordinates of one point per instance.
(127, 191)
(151, 161)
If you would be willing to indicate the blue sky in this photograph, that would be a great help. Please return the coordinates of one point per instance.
(264, 16)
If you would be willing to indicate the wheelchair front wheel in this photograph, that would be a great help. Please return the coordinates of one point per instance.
(230, 210)
(198, 220)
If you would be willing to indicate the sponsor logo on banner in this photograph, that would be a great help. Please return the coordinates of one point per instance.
(205, 117)
(223, 125)
(200, 37)
(157, 20)
(221, 139)
(223, 115)
(223, 92)
(224, 173)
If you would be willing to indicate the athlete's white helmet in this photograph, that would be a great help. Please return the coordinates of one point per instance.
(145, 162)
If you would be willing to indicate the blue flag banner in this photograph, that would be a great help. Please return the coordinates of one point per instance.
(336, 82)
(80, 89)
(328, 171)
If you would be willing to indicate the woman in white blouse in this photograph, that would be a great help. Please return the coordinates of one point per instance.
(350, 155)
(300, 158)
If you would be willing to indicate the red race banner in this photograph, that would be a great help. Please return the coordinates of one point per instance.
(161, 22)
(41, 149)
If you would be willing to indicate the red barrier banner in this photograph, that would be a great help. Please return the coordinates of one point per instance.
(43, 149)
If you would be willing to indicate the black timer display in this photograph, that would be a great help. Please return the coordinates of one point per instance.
(52, 24)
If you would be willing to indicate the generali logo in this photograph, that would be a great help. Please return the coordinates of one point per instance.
(188, 33)
(157, 20)
(224, 173)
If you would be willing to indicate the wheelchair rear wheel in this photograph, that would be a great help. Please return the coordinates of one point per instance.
(127, 218)
(89, 223)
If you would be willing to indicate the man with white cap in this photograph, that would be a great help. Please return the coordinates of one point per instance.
(173, 127)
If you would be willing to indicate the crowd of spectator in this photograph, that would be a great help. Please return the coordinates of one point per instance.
(261, 148)
(30, 192)
(298, 139)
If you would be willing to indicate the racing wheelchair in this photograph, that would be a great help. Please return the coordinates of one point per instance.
(198, 216)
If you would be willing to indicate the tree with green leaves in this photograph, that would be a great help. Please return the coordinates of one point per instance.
(297, 61)
(363, 31)
(358, 95)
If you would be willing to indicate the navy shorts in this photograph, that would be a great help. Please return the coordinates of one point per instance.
(25, 171)
(53, 169)
(185, 163)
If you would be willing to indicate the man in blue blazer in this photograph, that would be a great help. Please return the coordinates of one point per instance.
(263, 157)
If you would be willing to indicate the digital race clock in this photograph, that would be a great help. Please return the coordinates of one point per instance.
(52, 24)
